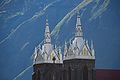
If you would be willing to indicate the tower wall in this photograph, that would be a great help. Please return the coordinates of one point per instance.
(78, 64)
(80, 69)
(47, 71)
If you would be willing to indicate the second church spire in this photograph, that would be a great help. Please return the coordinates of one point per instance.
(79, 32)
(47, 33)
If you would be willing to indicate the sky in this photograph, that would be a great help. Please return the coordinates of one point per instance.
(22, 25)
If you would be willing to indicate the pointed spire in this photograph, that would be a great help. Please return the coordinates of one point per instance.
(65, 49)
(47, 26)
(91, 44)
(78, 23)
(59, 49)
(55, 46)
(87, 44)
(35, 54)
(60, 53)
(79, 32)
(92, 49)
(35, 50)
(47, 33)
(39, 46)
(65, 43)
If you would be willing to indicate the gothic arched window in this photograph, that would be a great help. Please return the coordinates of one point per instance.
(69, 73)
(85, 73)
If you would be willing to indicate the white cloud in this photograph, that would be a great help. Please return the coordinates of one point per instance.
(26, 44)
(102, 8)
(69, 15)
(36, 15)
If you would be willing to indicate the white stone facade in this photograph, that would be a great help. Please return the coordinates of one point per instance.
(46, 52)
(78, 48)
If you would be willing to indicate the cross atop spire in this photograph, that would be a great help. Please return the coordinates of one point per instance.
(79, 32)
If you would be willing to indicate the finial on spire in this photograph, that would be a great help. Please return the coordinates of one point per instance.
(47, 22)
(47, 26)
(91, 44)
(78, 27)
(39, 46)
(35, 50)
(65, 49)
(78, 23)
(92, 49)
(65, 43)
(47, 33)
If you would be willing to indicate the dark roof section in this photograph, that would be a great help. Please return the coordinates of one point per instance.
(107, 74)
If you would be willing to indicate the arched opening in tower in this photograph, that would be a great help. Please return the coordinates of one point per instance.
(69, 73)
(85, 73)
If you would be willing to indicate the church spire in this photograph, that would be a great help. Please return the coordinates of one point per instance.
(47, 33)
(92, 49)
(79, 32)
(65, 49)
